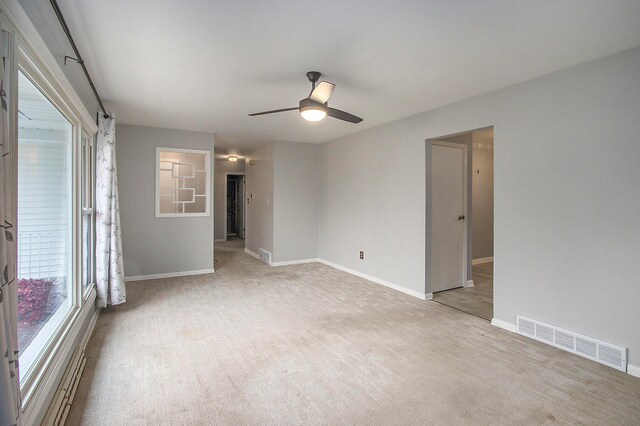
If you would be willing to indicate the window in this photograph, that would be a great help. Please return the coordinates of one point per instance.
(45, 221)
(52, 135)
(88, 214)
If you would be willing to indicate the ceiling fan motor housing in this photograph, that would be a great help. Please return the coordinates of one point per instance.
(307, 103)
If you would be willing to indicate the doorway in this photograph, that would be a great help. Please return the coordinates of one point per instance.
(235, 211)
(461, 202)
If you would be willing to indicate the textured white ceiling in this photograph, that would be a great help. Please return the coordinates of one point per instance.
(204, 65)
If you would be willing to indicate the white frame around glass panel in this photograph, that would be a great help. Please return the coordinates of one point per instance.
(22, 43)
(50, 336)
(176, 175)
(88, 212)
(42, 147)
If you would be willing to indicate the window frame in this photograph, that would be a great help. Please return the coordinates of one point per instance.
(87, 209)
(25, 51)
(26, 66)
(207, 171)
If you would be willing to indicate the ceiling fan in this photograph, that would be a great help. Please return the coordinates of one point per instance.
(314, 107)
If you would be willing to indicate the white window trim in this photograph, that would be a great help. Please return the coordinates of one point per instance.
(33, 73)
(91, 142)
(44, 380)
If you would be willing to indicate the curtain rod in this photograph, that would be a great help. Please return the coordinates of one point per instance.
(78, 58)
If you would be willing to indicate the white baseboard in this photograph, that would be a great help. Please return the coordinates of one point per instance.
(633, 370)
(249, 252)
(295, 262)
(469, 283)
(169, 275)
(504, 325)
(482, 260)
(413, 293)
(219, 240)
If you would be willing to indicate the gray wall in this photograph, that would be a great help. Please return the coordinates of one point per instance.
(482, 189)
(296, 197)
(220, 198)
(566, 238)
(158, 245)
(373, 199)
(259, 214)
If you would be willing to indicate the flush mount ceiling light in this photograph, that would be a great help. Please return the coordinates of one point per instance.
(314, 107)
(232, 158)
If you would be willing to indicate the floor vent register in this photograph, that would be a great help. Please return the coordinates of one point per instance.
(585, 346)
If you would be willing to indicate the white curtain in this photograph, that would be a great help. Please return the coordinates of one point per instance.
(9, 378)
(109, 267)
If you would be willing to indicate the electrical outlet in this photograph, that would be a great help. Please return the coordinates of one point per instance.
(362, 255)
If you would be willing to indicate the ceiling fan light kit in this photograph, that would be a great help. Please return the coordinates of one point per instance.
(314, 107)
(312, 111)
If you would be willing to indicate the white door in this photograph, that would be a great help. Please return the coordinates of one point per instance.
(448, 260)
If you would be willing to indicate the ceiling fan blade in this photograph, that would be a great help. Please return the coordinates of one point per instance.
(341, 115)
(322, 92)
(273, 111)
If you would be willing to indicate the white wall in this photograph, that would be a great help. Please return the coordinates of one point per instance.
(158, 245)
(259, 214)
(296, 198)
(283, 186)
(566, 156)
(482, 189)
(220, 193)
(373, 199)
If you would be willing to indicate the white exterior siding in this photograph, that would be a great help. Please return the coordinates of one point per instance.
(44, 216)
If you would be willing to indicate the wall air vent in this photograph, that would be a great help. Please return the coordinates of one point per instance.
(588, 347)
(265, 256)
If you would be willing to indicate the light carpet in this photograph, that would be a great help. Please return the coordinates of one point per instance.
(308, 344)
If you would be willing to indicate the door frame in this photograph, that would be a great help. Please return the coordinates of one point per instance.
(244, 209)
(465, 207)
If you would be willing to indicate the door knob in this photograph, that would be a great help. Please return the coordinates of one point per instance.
(461, 217)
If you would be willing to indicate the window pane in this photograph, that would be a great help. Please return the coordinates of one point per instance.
(44, 221)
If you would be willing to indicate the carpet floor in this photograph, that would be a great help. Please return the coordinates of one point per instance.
(308, 344)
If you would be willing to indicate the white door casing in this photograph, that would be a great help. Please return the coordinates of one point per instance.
(241, 196)
(241, 206)
(448, 213)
